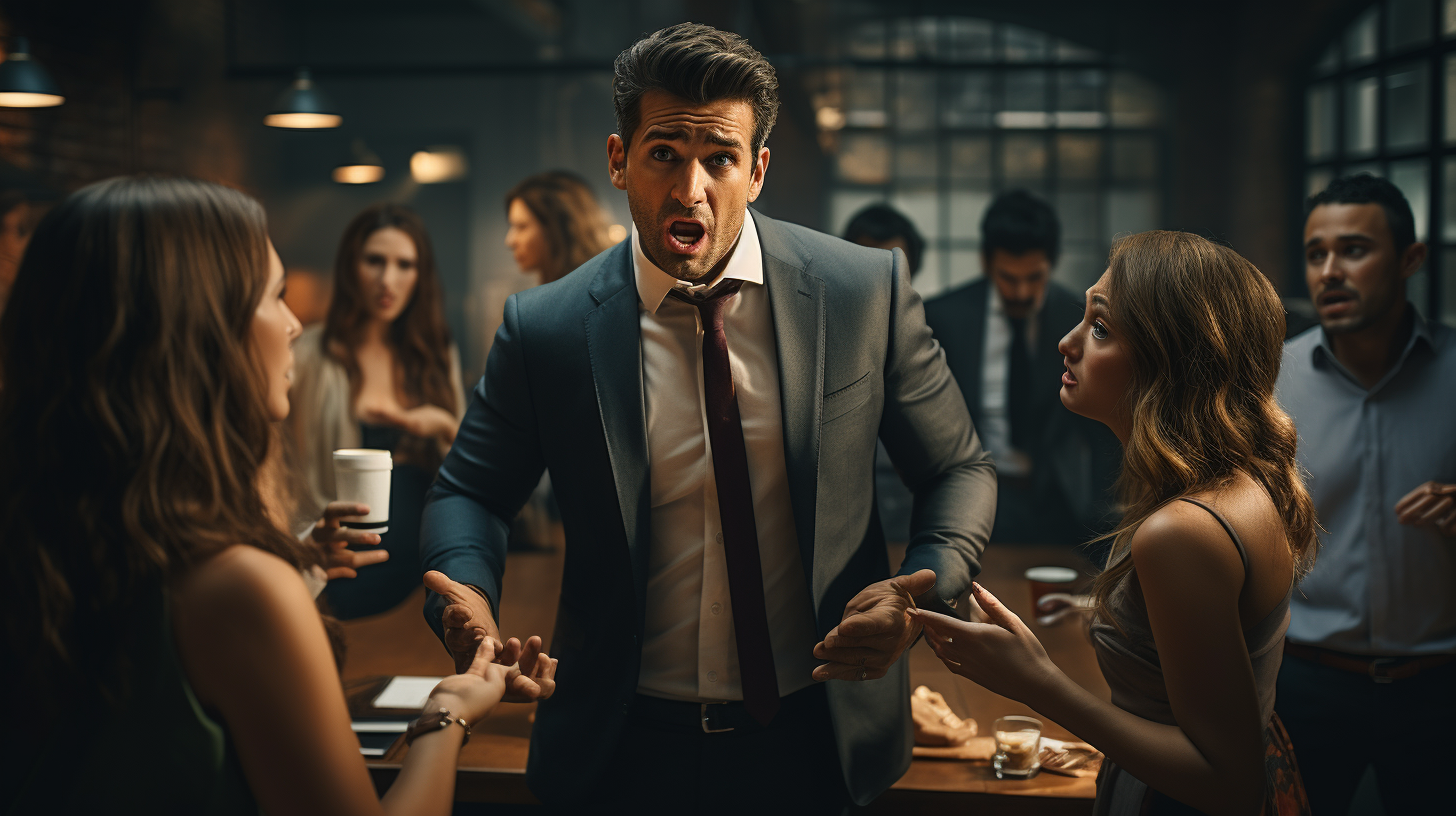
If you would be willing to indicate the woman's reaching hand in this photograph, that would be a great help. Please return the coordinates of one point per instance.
(1001, 655)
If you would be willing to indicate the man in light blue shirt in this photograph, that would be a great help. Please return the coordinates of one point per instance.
(1370, 660)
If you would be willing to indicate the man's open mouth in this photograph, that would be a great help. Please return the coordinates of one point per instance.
(686, 236)
(1336, 301)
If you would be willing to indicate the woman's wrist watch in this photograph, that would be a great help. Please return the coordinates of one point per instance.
(437, 720)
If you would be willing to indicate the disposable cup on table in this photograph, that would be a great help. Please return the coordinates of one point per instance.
(1047, 580)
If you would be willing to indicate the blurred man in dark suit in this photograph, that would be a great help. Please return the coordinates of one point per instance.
(1054, 469)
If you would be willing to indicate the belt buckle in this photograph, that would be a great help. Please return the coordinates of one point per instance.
(1379, 668)
(706, 728)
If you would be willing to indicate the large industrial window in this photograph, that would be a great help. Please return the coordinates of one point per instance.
(1383, 101)
(937, 115)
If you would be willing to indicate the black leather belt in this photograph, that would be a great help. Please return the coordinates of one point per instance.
(1379, 669)
(717, 717)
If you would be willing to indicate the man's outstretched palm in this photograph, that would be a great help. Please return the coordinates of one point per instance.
(467, 622)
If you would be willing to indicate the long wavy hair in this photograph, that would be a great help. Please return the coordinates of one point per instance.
(573, 222)
(1205, 330)
(134, 429)
(419, 337)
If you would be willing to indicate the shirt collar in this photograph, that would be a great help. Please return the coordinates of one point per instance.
(746, 264)
(1420, 330)
(997, 306)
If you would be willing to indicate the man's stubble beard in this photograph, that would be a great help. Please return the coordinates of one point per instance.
(688, 270)
(1353, 324)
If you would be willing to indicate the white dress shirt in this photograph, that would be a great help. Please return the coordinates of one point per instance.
(995, 425)
(688, 648)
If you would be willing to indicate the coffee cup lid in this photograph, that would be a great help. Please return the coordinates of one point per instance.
(364, 459)
(1051, 575)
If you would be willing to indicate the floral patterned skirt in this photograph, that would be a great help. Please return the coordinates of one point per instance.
(1119, 793)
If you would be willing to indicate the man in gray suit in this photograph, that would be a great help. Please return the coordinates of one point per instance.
(707, 396)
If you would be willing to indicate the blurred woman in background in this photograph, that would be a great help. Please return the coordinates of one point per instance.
(1177, 353)
(556, 224)
(144, 579)
(379, 372)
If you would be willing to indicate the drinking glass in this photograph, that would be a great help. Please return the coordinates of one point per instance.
(1018, 747)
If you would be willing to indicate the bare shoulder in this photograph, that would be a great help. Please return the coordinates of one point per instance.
(1182, 542)
(238, 579)
(238, 611)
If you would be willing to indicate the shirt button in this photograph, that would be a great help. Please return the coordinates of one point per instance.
(712, 677)
(720, 538)
(717, 608)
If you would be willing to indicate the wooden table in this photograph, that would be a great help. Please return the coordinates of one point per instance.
(492, 766)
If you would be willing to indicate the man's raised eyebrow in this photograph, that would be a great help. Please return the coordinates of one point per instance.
(1353, 236)
(666, 134)
(721, 140)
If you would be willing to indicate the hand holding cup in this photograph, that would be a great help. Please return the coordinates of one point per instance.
(335, 539)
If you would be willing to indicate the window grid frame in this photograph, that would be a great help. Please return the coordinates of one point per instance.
(1430, 57)
(944, 247)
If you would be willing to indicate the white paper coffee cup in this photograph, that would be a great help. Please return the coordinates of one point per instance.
(361, 475)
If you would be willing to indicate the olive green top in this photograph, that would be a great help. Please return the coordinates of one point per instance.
(157, 752)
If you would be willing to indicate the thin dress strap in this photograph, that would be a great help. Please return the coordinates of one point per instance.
(1228, 528)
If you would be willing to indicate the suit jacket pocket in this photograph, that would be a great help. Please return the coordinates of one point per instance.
(846, 399)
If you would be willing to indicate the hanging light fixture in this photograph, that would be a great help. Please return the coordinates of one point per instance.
(361, 167)
(302, 107)
(23, 83)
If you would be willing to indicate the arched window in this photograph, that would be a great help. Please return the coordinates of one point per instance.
(1382, 100)
(936, 115)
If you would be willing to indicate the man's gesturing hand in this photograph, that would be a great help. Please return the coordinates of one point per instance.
(467, 622)
(876, 628)
(1431, 505)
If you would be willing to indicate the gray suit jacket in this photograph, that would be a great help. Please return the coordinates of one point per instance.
(563, 390)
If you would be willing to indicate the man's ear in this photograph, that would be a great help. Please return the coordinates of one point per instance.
(617, 161)
(760, 170)
(1411, 260)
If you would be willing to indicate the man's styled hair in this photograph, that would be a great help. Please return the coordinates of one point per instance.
(1019, 222)
(881, 223)
(700, 64)
(1368, 189)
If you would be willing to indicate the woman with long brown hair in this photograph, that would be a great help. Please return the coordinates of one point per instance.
(146, 590)
(1177, 353)
(380, 372)
(555, 224)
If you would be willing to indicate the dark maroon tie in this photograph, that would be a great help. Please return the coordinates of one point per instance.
(735, 508)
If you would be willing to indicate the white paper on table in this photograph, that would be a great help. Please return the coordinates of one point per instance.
(381, 726)
(406, 692)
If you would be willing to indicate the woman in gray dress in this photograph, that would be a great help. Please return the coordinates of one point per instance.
(1177, 352)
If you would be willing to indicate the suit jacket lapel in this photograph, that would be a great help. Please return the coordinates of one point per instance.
(968, 369)
(1058, 316)
(614, 345)
(797, 301)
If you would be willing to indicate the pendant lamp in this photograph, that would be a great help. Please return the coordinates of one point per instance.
(361, 167)
(302, 107)
(23, 83)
